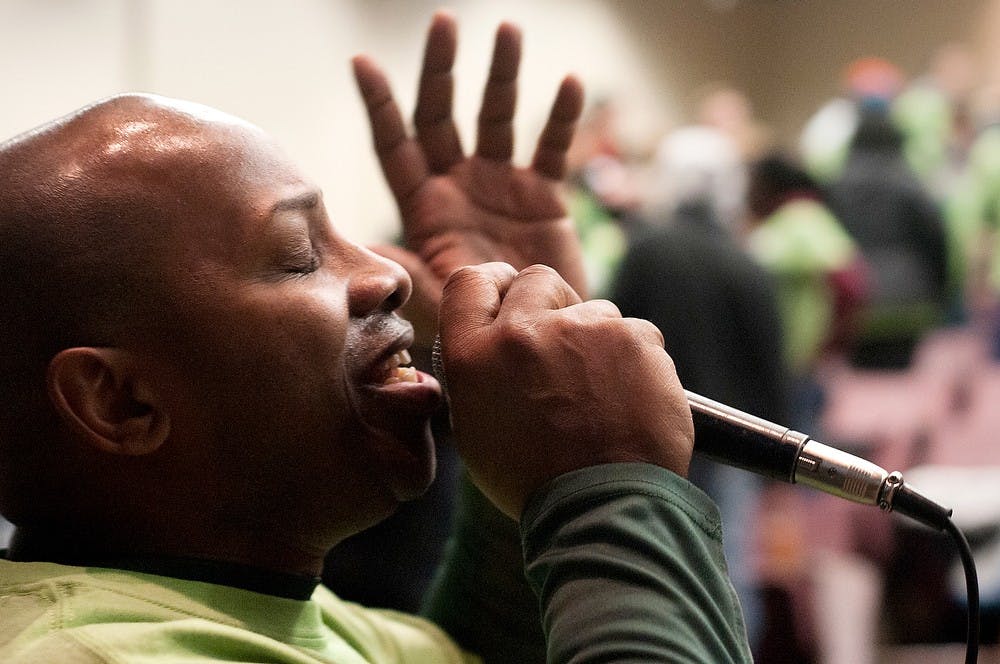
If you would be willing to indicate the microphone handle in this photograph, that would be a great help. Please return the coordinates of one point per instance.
(735, 438)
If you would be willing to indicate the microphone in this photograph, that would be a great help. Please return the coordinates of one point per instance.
(732, 437)
(735, 438)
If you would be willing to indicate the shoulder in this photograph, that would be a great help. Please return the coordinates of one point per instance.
(51, 613)
(384, 635)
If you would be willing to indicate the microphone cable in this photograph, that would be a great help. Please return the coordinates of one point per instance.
(971, 591)
(729, 436)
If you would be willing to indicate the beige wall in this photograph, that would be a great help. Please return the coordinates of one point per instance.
(788, 54)
(284, 63)
(798, 49)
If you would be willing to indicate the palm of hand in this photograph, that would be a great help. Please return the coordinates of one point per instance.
(482, 211)
(463, 209)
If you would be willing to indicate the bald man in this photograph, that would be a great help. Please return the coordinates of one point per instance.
(206, 388)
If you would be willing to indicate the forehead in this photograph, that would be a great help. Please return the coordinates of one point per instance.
(222, 163)
(214, 178)
(176, 204)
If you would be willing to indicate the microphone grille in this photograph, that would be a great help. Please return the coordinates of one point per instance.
(437, 366)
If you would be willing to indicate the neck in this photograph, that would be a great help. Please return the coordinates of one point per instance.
(63, 548)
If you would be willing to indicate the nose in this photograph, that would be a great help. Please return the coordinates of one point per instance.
(377, 283)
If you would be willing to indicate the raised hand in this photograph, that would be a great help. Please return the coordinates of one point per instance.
(460, 209)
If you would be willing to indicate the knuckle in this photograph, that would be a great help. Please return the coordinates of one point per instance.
(519, 339)
(605, 307)
(646, 330)
(464, 274)
(538, 269)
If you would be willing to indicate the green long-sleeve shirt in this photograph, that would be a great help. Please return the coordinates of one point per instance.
(625, 559)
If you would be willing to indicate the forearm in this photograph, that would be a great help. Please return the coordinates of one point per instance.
(627, 562)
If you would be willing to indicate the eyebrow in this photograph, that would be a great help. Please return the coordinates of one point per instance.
(304, 201)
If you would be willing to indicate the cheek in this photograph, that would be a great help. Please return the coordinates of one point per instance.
(267, 357)
(298, 353)
(280, 407)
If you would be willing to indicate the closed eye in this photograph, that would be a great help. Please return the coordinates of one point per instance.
(302, 262)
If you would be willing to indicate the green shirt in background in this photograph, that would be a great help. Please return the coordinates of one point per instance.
(974, 210)
(802, 244)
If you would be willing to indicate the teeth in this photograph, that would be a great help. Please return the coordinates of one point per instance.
(406, 375)
(401, 374)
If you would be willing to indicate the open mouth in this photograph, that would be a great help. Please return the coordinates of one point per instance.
(398, 371)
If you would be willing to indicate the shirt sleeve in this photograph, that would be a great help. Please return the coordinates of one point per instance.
(627, 562)
(480, 595)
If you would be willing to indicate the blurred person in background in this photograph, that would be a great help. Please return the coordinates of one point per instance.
(729, 110)
(869, 85)
(973, 219)
(819, 272)
(932, 112)
(900, 230)
(696, 162)
(716, 308)
(821, 282)
(605, 194)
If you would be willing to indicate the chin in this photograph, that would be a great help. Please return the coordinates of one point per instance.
(409, 469)
(412, 482)
(397, 454)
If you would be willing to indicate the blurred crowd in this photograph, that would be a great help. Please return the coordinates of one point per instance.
(846, 284)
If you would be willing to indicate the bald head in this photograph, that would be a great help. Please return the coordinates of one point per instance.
(86, 198)
(88, 203)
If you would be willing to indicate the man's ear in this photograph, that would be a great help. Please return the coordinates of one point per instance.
(101, 396)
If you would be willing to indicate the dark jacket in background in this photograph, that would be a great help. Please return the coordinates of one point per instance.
(900, 230)
(716, 308)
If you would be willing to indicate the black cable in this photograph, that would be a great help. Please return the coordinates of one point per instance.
(971, 591)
